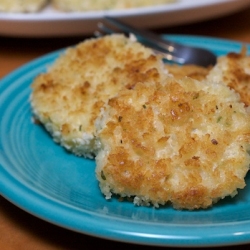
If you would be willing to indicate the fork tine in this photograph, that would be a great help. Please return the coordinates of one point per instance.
(97, 33)
(105, 29)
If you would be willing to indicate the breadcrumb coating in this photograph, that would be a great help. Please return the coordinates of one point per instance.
(67, 99)
(179, 141)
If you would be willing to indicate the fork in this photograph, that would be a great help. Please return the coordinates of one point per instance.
(171, 51)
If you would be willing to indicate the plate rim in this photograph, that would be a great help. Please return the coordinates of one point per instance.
(48, 23)
(51, 15)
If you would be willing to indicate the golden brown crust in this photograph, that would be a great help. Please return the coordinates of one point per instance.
(184, 142)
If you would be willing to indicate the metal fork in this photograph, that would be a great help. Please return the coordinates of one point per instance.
(171, 51)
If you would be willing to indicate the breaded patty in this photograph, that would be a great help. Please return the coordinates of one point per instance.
(67, 99)
(182, 141)
(83, 5)
(21, 5)
(234, 70)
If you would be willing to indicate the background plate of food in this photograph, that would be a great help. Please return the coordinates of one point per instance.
(69, 18)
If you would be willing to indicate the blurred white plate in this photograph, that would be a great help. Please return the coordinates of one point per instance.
(49, 22)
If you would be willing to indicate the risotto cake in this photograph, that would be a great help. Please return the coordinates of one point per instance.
(183, 142)
(67, 99)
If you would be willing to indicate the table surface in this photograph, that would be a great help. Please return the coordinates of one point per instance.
(20, 230)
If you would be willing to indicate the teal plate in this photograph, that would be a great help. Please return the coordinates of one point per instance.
(42, 178)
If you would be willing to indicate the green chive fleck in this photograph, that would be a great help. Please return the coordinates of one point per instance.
(219, 118)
